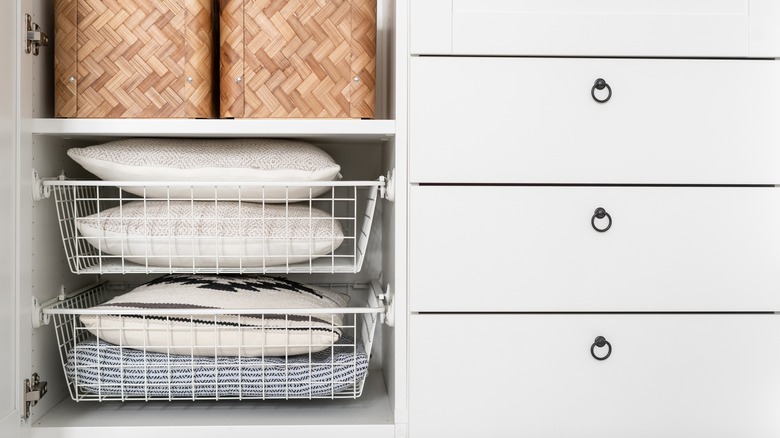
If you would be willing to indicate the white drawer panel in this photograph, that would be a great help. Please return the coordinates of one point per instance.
(510, 120)
(533, 375)
(683, 28)
(531, 248)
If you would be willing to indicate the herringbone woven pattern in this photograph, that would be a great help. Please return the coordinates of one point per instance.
(133, 58)
(363, 58)
(297, 58)
(65, 52)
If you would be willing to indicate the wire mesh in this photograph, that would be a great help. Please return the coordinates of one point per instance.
(97, 370)
(213, 227)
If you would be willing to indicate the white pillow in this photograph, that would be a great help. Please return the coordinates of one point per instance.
(211, 234)
(210, 160)
(266, 334)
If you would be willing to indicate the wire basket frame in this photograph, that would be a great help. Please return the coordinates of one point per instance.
(209, 227)
(96, 370)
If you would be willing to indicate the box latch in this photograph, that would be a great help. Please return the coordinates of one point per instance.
(35, 37)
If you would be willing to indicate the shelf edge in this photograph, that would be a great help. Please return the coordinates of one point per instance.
(298, 128)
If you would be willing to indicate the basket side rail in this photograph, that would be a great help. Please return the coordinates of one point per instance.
(59, 305)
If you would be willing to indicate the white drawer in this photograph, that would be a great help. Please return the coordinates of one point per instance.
(670, 28)
(534, 248)
(512, 120)
(533, 375)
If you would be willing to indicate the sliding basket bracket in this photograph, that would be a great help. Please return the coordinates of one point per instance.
(39, 318)
(388, 316)
(39, 189)
(387, 190)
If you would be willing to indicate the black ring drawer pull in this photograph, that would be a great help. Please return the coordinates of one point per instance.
(600, 213)
(600, 342)
(601, 84)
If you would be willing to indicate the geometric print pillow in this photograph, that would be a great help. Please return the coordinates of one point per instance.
(234, 331)
(234, 160)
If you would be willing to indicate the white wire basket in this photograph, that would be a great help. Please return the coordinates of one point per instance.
(96, 370)
(203, 227)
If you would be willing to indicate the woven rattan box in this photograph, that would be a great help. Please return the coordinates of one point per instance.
(134, 58)
(297, 58)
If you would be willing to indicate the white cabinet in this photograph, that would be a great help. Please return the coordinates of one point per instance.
(673, 375)
(669, 28)
(590, 178)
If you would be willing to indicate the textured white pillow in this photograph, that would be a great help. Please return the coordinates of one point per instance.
(210, 160)
(266, 334)
(209, 234)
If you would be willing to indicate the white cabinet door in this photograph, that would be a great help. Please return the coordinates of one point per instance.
(532, 375)
(667, 28)
(10, 49)
(535, 248)
(532, 120)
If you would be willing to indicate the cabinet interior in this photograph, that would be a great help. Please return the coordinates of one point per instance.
(45, 273)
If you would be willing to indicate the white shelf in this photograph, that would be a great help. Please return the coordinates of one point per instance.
(369, 415)
(313, 129)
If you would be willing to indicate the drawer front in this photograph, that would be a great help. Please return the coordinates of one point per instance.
(533, 375)
(690, 28)
(535, 248)
(515, 120)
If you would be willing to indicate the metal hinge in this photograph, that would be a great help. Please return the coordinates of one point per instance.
(34, 390)
(35, 37)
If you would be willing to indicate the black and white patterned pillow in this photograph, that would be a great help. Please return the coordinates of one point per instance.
(229, 333)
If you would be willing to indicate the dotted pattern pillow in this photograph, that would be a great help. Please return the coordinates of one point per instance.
(212, 160)
(223, 335)
(210, 234)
